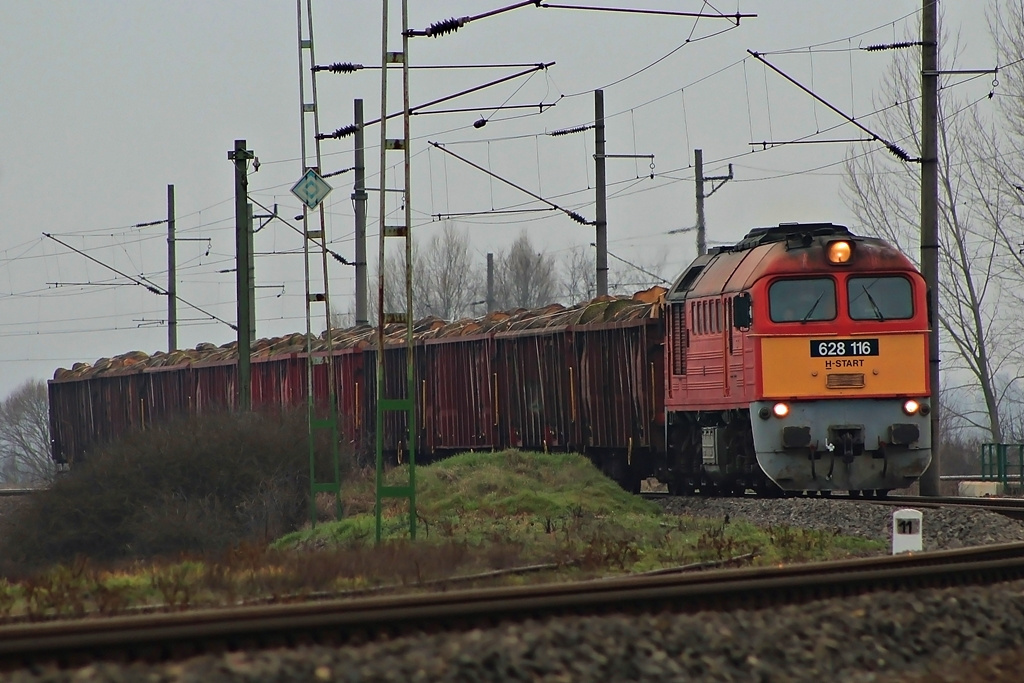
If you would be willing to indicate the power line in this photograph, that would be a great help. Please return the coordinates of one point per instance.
(571, 214)
(896, 151)
(143, 283)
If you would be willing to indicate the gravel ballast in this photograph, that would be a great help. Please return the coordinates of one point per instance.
(876, 637)
(863, 639)
(942, 528)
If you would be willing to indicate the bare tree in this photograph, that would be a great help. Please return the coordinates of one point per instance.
(525, 277)
(449, 282)
(445, 280)
(980, 272)
(25, 435)
(579, 275)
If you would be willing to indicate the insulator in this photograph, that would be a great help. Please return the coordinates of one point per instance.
(339, 67)
(891, 46)
(578, 218)
(568, 131)
(443, 27)
(897, 152)
(340, 133)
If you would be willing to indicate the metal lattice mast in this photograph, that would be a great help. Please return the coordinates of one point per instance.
(314, 244)
(385, 404)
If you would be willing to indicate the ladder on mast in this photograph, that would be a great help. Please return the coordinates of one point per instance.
(404, 407)
(319, 364)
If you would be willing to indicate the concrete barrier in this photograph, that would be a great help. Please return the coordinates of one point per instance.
(979, 489)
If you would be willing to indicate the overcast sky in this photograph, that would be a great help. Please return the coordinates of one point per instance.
(104, 104)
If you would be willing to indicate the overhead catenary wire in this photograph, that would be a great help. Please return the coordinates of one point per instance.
(633, 265)
(142, 282)
(736, 17)
(568, 212)
(349, 67)
(546, 210)
(897, 151)
(350, 129)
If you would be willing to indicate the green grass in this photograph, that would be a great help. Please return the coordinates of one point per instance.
(559, 508)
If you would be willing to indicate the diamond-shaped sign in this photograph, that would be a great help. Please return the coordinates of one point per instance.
(311, 189)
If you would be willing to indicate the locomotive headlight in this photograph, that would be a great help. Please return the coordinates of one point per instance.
(910, 406)
(780, 410)
(840, 252)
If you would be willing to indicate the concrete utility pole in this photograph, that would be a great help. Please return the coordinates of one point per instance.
(699, 178)
(243, 236)
(359, 203)
(172, 288)
(490, 282)
(602, 195)
(930, 219)
(249, 232)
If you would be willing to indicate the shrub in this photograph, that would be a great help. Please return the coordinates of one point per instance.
(196, 485)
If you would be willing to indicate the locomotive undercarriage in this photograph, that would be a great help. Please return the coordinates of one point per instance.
(712, 453)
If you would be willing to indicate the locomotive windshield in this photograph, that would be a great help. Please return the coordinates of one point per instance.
(880, 298)
(802, 300)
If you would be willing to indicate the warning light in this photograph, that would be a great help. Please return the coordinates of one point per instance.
(780, 410)
(910, 406)
(840, 252)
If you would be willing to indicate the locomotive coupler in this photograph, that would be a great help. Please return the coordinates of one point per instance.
(847, 447)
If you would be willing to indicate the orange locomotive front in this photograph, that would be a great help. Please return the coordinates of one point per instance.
(797, 359)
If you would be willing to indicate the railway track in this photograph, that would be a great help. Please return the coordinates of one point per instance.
(1009, 507)
(7, 493)
(157, 637)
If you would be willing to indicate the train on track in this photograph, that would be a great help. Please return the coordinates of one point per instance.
(794, 360)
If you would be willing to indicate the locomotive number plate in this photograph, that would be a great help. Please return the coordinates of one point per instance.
(830, 348)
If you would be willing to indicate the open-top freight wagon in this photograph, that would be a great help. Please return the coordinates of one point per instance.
(586, 379)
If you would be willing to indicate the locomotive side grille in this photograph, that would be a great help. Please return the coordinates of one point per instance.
(844, 380)
(679, 339)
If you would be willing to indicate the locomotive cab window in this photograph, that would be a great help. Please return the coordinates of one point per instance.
(803, 300)
(880, 298)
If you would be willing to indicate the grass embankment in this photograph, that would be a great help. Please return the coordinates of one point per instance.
(558, 508)
(477, 513)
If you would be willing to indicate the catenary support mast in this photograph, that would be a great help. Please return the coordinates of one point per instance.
(930, 220)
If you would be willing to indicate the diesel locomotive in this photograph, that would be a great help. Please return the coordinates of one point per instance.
(794, 360)
(797, 358)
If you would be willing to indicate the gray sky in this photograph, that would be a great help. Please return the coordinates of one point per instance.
(103, 104)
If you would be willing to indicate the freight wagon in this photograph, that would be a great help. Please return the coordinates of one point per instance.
(586, 379)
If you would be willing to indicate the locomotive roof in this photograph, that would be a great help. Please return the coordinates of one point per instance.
(783, 248)
(602, 310)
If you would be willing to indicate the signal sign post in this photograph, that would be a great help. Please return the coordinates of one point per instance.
(311, 189)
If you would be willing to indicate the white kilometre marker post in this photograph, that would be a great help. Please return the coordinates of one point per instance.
(906, 531)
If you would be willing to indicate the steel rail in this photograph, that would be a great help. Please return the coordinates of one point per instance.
(162, 636)
(18, 492)
(1009, 507)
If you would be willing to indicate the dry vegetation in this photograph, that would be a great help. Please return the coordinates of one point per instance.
(213, 512)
